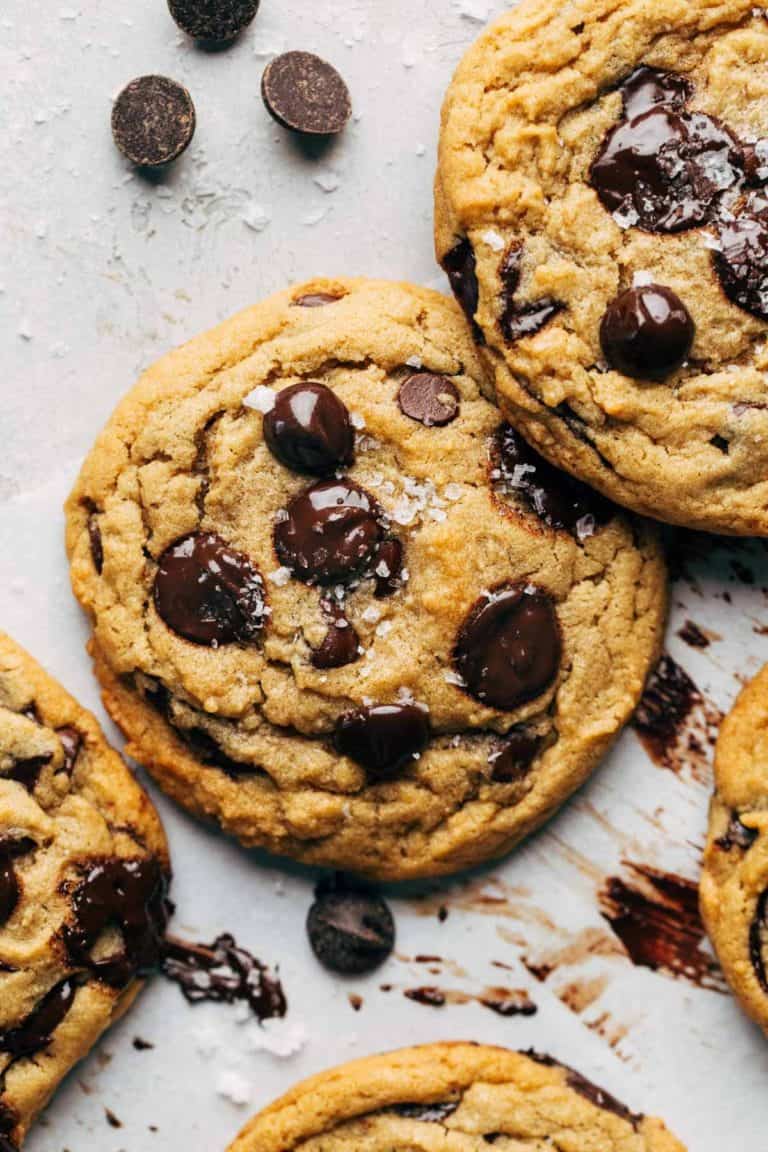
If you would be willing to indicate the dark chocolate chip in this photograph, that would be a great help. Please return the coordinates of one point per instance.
(519, 319)
(741, 261)
(309, 430)
(459, 266)
(94, 538)
(556, 498)
(512, 759)
(209, 593)
(383, 737)
(213, 21)
(27, 772)
(351, 930)
(757, 930)
(646, 332)
(664, 170)
(341, 644)
(10, 887)
(646, 87)
(738, 835)
(35, 1033)
(388, 566)
(756, 162)
(153, 120)
(508, 650)
(131, 896)
(306, 94)
(429, 1113)
(329, 533)
(429, 399)
(315, 300)
(223, 972)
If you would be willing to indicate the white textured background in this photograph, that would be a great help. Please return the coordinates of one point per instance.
(101, 272)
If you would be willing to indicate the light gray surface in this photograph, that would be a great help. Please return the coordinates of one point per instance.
(101, 272)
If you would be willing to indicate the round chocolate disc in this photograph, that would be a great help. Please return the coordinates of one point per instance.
(351, 931)
(209, 593)
(329, 533)
(309, 430)
(430, 399)
(153, 120)
(508, 650)
(306, 94)
(384, 737)
(646, 332)
(214, 21)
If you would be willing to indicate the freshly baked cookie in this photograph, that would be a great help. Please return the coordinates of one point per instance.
(338, 608)
(452, 1096)
(83, 878)
(602, 215)
(734, 884)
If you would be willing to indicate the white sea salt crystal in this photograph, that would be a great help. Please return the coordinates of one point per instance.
(279, 1037)
(357, 421)
(256, 217)
(642, 279)
(404, 695)
(382, 569)
(384, 628)
(493, 239)
(437, 514)
(453, 492)
(280, 576)
(626, 219)
(326, 179)
(371, 614)
(262, 399)
(452, 677)
(233, 1086)
(414, 362)
(474, 10)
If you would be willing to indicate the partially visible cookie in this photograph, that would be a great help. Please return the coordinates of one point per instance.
(452, 1096)
(83, 880)
(734, 884)
(338, 606)
(602, 215)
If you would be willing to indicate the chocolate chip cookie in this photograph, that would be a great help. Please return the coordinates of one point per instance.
(734, 884)
(340, 608)
(83, 879)
(452, 1095)
(602, 216)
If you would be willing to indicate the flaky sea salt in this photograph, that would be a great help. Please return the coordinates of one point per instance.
(262, 399)
(494, 240)
(233, 1086)
(357, 421)
(414, 362)
(371, 614)
(642, 279)
(280, 576)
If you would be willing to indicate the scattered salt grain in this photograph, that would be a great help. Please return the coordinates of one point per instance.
(280, 576)
(494, 240)
(414, 362)
(233, 1086)
(262, 399)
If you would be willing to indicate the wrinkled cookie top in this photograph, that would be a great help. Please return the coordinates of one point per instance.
(308, 544)
(452, 1095)
(602, 215)
(83, 877)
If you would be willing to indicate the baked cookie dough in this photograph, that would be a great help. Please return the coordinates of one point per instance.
(452, 1096)
(734, 883)
(83, 879)
(602, 215)
(336, 606)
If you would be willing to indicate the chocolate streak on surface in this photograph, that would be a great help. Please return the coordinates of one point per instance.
(677, 725)
(502, 1001)
(656, 916)
(223, 972)
(693, 636)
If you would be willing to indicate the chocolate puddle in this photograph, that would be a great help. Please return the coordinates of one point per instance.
(676, 723)
(656, 916)
(223, 972)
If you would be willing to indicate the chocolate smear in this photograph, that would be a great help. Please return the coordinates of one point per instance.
(693, 636)
(587, 1089)
(656, 916)
(35, 1032)
(224, 973)
(677, 725)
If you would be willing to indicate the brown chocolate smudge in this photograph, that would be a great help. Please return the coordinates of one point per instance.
(676, 723)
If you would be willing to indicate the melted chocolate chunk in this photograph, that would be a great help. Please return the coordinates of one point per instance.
(513, 758)
(329, 533)
(209, 593)
(27, 772)
(224, 973)
(94, 538)
(10, 887)
(646, 332)
(508, 649)
(429, 1113)
(315, 300)
(341, 644)
(646, 87)
(587, 1089)
(664, 170)
(738, 835)
(520, 319)
(557, 498)
(757, 931)
(35, 1033)
(388, 567)
(429, 399)
(742, 259)
(351, 930)
(459, 266)
(126, 894)
(384, 737)
(71, 742)
(309, 430)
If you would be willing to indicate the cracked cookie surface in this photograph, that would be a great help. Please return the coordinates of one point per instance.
(338, 609)
(458, 1095)
(734, 883)
(83, 878)
(604, 163)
